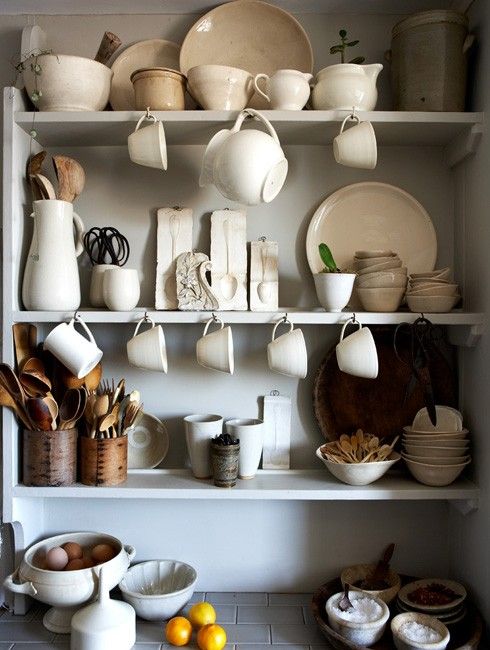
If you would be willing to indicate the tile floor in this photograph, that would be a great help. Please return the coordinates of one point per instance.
(253, 621)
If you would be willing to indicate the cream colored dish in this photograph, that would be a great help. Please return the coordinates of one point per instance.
(432, 304)
(381, 300)
(220, 87)
(435, 475)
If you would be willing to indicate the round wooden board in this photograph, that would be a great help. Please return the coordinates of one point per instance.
(344, 403)
(464, 636)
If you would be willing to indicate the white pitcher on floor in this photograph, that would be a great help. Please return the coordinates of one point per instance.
(51, 280)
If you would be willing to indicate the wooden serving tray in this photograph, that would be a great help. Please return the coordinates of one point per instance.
(465, 635)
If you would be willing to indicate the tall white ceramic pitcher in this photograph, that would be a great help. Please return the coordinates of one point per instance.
(51, 280)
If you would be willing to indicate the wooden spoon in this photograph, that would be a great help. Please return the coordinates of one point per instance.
(10, 382)
(52, 405)
(8, 401)
(107, 422)
(45, 186)
(25, 335)
(33, 378)
(71, 178)
(69, 407)
(39, 413)
(344, 603)
(81, 408)
(376, 580)
(92, 380)
(34, 166)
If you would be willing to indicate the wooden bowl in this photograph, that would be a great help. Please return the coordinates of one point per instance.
(353, 574)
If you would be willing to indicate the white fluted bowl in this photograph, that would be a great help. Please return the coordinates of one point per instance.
(158, 589)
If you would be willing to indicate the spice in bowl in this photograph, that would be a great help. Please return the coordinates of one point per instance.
(433, 594)
(419, 632)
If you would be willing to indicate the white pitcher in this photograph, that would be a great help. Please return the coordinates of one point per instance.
(346, 86)
(51, 280)
(286, 90)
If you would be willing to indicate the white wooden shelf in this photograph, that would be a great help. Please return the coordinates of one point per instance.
(109, 128)
(299, 485)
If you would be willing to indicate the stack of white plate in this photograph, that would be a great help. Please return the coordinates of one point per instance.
(432, 291)
(448, 613)
(436, 455)
(381, 279)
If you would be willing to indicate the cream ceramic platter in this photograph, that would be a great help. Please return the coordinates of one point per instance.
(145, 54)
(372, 216)
(147, 443)
(251, 35)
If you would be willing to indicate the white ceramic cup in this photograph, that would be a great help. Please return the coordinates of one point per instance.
(250, 433)
(215, 350)
(287, 354)
(356, 147)
(147, 146)
(79, 354)
(121, 288)
(199, 430)
(286, 90)
(147, 350)
(96, 295)
(356, 353)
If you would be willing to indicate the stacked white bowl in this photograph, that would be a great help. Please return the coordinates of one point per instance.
(436, 454)
(381, 279)
(432, 291)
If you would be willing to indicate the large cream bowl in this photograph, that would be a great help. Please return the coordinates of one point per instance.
(67, 590)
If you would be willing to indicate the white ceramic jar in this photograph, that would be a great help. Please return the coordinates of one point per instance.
(121, 288)
(345, 86)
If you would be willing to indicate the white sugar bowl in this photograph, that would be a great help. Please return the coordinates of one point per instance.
(365, 624)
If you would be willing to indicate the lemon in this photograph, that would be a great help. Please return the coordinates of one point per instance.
(211, 637)
(178, 631)
(202, 614)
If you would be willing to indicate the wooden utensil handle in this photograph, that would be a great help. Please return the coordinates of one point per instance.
(108, 45)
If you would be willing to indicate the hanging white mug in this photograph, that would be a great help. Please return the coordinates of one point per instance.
(79, 354)
(147, 350)
(356, 353)
(287, 354)
(147, 146)
(356, 147)
(215, 350)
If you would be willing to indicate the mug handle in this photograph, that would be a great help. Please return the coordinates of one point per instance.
(285, 321)
(349, 117)
(257, 116)
(145, 319)
(215, 319)
(146, 116)
(19, 588)
(79, 232)
(352, 321)
(77, 319)
(256, 85)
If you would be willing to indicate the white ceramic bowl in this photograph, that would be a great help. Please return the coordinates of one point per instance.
(69, 83)
(381, 300)
(403, 643)
(364, 634)
(437, 273)
(438, 290)
(365, 263)
(359, 473)
(334, 290)
(428, 452)
(431, 436)
(448, 419)
(435, 475)
(363, 255)
(394, 263)
(444, 442)
(357, 572)
(437, 460)
(382, 280)
(432, 304)
(220, 87)
(158, 589)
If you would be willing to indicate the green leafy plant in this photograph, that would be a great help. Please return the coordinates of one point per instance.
(341, 47)
(327, 259)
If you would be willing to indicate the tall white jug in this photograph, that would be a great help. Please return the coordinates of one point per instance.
(51, 280)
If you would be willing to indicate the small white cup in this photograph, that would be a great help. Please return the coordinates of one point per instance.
(199, 430)
(356, 354)
(215, 350)
(96, 295)
(147, 350)
(147, 146)
(78, 354)
(121, 288)
(251, 436)
(287, 354)
(356, 147)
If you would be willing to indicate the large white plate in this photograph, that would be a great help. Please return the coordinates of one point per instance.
(147, 443)
(372, 216)
(248, 34)
(145, 54)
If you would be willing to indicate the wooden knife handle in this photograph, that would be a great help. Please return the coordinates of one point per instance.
(108, 45)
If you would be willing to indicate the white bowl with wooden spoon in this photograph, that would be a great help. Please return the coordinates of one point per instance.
(359, 473)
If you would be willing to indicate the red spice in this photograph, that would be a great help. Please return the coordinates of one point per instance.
(433, 594)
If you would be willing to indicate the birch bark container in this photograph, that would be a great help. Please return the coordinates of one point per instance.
(50, 458)
(103, 462)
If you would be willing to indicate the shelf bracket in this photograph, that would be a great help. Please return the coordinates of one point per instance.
(466, 335)
(464, 145)
(465, 506)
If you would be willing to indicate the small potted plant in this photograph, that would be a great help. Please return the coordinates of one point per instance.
(333, 286)
(346, 85)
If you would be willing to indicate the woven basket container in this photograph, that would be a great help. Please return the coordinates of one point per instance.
(103, 462)
(49, 458)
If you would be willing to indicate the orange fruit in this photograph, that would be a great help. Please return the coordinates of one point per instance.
(178, 630)
(211, 637)
(202, 614)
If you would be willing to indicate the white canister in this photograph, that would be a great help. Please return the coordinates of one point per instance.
(199, 430)
(96, 295)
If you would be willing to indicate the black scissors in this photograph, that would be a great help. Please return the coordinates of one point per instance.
(106, 246)
(423, 337)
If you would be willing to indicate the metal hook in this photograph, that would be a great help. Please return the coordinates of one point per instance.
(148, 114)
(285, 318)
(215, 318)
(262, 239)
(274, 393)
(147, 318)
(353, 115)
(76, 316)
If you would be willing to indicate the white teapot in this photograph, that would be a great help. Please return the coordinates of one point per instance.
(247, 166)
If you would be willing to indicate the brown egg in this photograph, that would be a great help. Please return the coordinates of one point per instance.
(75, 565)
(56, 559)
(87, 562)
(73, 550)
(102, 553)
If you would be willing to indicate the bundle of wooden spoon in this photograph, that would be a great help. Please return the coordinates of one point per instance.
(109, 413)
(360, 447)
(69, 174)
